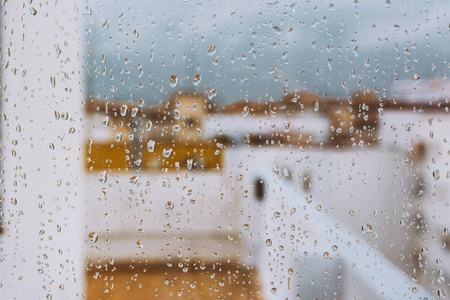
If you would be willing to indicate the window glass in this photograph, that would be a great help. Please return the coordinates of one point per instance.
(224, 150)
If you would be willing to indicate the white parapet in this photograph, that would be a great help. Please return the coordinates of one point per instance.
(324, 253)
(42, 60)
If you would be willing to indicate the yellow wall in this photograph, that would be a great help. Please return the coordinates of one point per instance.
(120, 157)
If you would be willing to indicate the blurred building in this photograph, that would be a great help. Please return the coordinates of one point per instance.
(190, 179)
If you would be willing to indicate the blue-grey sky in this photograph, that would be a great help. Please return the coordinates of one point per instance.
(260, 49)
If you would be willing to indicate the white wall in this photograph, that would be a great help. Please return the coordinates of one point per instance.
(40, 250)
(131, 206)
(351, 187)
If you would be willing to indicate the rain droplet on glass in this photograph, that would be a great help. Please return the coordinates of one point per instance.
(212, 93)
(151, 146)
(173, 81)
(123, 110)
(93, 237)
(166, 152)
(102, 176)
(197, 80)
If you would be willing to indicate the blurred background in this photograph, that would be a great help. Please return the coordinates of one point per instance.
(208, 150)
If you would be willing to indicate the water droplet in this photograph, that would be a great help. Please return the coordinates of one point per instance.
(176, 114)
(199, 131)
(366, 228)
(344, 85)
(173, 81)
(287, 126)
(436, 174)
(197, 80)
(273, 113)
(53, 81)
(290, 271)
(123, 110)
(166, 282)
(331, 7)
(189, 163)
(276, 29)
(133, 179)
(245, 111)
(176, 128)
(118, 137)
(106, 24)
(326, 255)
(169, 205)
(334, 247)
(102, 177)
(134, 111)
(151, 146)
(202, 265)
(212, 93)
(316, 106)
(93, 237)
(105, 122)
(33, 11)
(166, 152)
(212, 50)
(447, 231)
(268, 242)
(139, 244)
(148, 126)
(273, 290)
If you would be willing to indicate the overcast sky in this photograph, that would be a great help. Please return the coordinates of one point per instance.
(257, 49)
